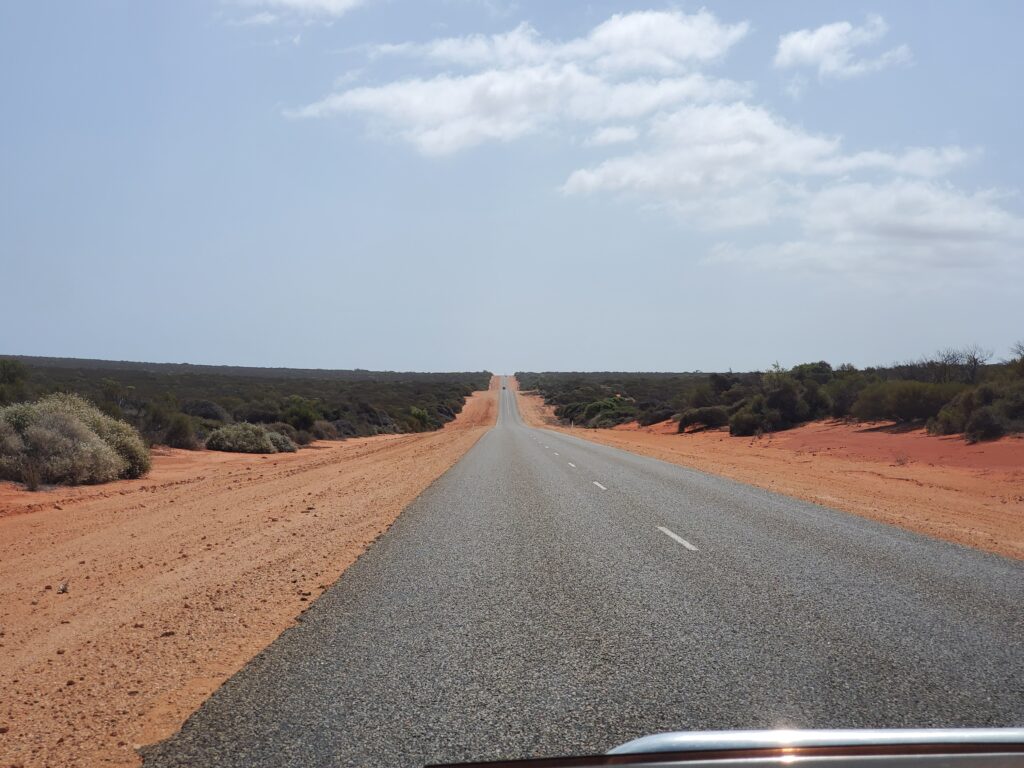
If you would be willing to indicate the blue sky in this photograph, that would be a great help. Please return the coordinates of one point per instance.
(460, 184)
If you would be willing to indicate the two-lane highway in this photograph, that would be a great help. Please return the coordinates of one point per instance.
(549, 595)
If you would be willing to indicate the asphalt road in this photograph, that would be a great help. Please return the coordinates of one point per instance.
(548, 595)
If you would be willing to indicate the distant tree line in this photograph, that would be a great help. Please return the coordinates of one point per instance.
(183, 405)
(953, 391)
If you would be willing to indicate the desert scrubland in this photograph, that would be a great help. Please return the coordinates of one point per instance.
(124, 605)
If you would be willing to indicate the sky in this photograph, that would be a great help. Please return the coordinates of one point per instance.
(529, 185)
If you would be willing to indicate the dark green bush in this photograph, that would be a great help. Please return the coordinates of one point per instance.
(782, 393)
(655, 415)
(206, 409)
(344, 428)
(746, 422)
(903, 400)
(181, 433)
(709, 417)
(300, 413)
(843, 392)
(984, 424)
(13, 381)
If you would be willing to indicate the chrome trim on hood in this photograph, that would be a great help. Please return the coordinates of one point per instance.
(693, 741)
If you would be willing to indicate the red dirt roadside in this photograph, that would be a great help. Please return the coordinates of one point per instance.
(176, 580)
(938, 486)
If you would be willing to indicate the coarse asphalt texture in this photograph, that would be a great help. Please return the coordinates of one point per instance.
(551, 596)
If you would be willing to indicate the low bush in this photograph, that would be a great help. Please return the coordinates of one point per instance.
(64, 439)
(282, 443)
(241, 438)
(120, 436)
(323, 430)
(710, 417)
(655, 415)
(284, 429)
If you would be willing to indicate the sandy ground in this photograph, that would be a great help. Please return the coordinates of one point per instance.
(176, 580)
(939, 486)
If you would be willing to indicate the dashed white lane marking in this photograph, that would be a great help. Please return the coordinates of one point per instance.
(556, 453)
(600, 486)
(572, 465)
(677, 539)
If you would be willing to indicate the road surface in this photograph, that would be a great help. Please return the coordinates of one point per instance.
(548, 595)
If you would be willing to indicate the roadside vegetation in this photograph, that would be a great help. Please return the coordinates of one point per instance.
(952, 392)
(62, 438)
(91, 421)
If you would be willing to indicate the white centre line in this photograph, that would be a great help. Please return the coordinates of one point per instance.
(572, 465)
(600, 486)
(677, 539)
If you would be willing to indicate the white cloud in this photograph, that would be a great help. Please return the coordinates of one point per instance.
(520, 83)
(692, 144)
(654, 42)
(896, 225)
(261, 19)
(717, 148)
(832, 49)
(308, 9)
(447, 113)
(722, 167)
(612, 134)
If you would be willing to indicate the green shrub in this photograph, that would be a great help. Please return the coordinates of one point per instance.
(746, 422)
(782, 393)
(300, 413)
(709, 417)
(843, 392)
(241, 438)
(903, 400)
(421, 419)
(281, 442)
(302, 437)
(985, 424)
(181, 433)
